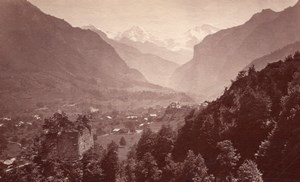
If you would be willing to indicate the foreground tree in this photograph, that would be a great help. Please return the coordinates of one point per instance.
(92, 171)
(248, 172)
(129, 170)
(164, 144)
(146, 143)
(193, 169)
(147, 170)
(227, 159)
(110, 164)
(171, 170)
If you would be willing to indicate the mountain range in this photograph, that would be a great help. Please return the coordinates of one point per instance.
(220, 56)
(191, 37)
(146, 43)
(156, 70)
(46, 61)
(138, 34)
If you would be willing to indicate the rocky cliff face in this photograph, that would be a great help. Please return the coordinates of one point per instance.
(220, 56)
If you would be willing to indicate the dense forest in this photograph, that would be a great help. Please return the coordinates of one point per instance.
(259, 114)
(251, 133)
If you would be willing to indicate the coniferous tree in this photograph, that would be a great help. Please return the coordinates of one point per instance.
(122, 141)
(241, 75)
(164, 144)
(251, 70)
(92, 171)
(297, 55)
(109, 163)
(248, 172)
(129, 170)
(147, 170)
(146, 143)
(193, 169)
(171, 170)
(132, 152)
(227, 159)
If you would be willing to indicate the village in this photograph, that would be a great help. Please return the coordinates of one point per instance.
(106, 127)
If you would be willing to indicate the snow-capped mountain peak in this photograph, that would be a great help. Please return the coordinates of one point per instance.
(191, 37)
(184, 42)
(136, 34)
(200, 32)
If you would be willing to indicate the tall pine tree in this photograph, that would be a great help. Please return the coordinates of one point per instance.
(109, 163)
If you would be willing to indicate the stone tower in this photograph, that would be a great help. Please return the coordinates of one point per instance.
(66, 140)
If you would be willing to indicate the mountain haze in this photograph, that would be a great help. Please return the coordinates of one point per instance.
(197, 34)
(146, 43)
(279, 54)
(156, 70)
(220, 56)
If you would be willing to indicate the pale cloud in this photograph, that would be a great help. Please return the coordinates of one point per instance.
(163, 18)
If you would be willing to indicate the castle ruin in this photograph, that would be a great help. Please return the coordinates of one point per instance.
(66, 140)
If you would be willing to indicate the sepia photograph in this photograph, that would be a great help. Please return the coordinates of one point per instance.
(149, 90)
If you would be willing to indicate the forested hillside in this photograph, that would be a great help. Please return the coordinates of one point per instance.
(259, 114)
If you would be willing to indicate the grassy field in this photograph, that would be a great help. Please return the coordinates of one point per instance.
(131, 139)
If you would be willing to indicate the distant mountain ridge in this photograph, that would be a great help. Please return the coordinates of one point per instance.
(138, 34)
(192, 37)
(156, 70)
(148, 44)
(220, 56)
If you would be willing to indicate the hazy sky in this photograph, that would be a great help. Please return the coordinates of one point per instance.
(163, 18)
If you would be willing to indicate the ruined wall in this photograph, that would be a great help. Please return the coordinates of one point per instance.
(85, 141)
(49, 147)
(67, 146)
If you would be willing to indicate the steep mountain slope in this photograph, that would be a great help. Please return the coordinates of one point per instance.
(31, 40)
(219, 57)
(43, 59)
(259, 113)
(279, 54)
(155, 69)
(144, 42)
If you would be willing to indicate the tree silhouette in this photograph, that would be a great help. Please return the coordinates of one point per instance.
(146, 143)
(122, 141)
(164, 144)
(110, 163)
